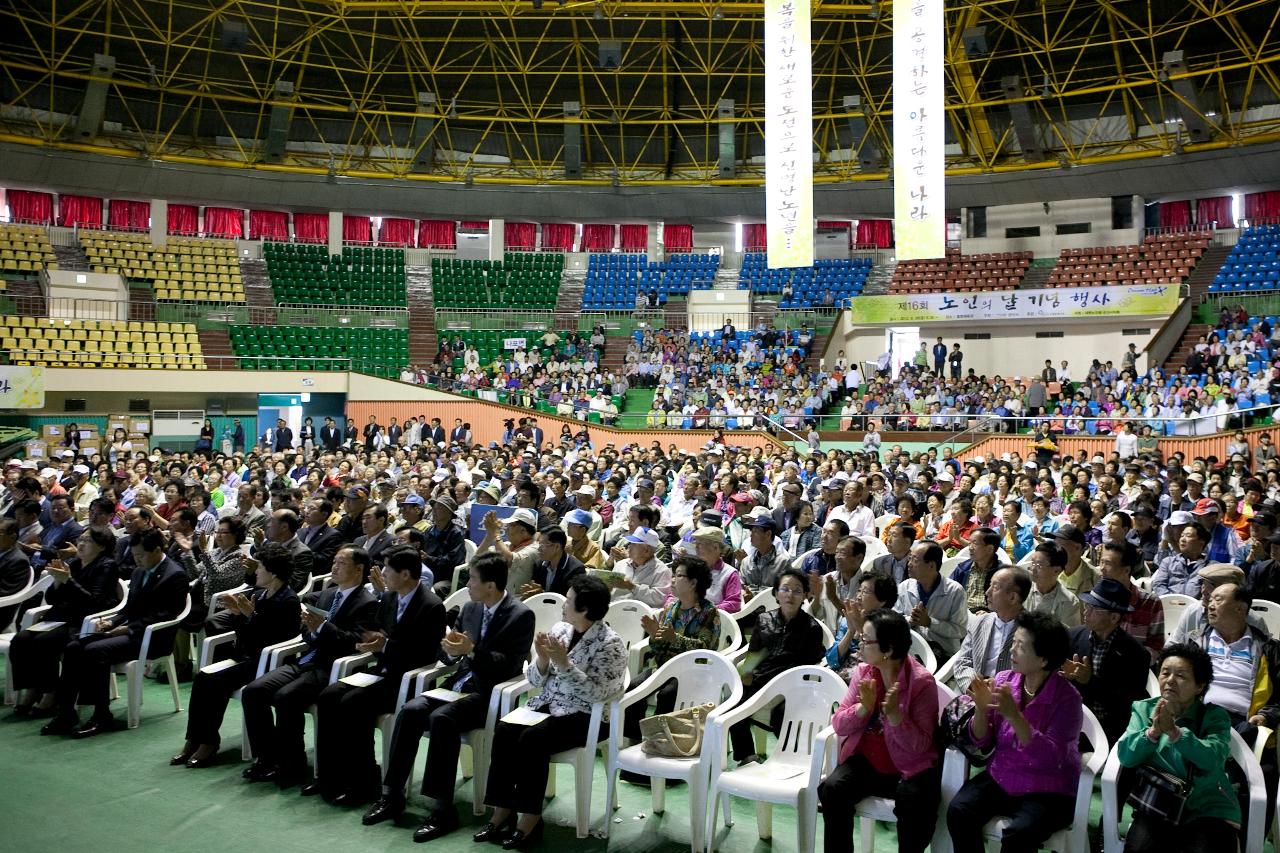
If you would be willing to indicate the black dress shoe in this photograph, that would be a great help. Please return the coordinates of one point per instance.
(353, 797)
(518, 840)
(386, 808)
(315, 789)
(207, 761)
(181, 758)
(494, 833)
(60, 726)
(436, 826)
(97, 726)
(258, 772)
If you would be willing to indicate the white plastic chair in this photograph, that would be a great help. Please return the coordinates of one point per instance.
(701, 677)
(19, 597)
(762, 602)
(1075, 838)
(1269, 613)
(949, 566)
(317, 582)
(1153, 685)
(792, 772)
(1143, 583)
(207, 649)
(944, 673)
(1001, 557)
(880, 809)
(798, 562)
(923, 652)
(457, 599)
(1174, 603)
(582, 758)
(548, 609)
(624, 618)
(875, 548)
(730, 634)
(1241, 754)
(134, 669)
(30, 591)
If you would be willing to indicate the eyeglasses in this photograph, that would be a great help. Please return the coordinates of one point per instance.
(791, 590)
(868, 642)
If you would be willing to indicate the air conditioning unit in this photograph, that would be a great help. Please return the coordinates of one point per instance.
(176, 424)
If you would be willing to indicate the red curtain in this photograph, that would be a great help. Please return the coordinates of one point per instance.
(1217, 209)
(677, 238)
(184, 219)
(633, 238)
(520, 235)
(1175, 214)
(396, 232)
(311, 227)
(597, 237)
(130, 215)
(266, 225)
(475, 224)
(558, 235)
(437, 234)
(356, 229)
(1262, 205)
(224, 222)
(877, 233)
(755, 235)
(33, 207)
(79, 210)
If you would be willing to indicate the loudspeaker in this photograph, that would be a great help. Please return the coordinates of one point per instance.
(975, 41)
(233, 36)
(610, 55)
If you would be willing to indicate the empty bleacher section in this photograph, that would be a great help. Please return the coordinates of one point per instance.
(1161, 259)
(521, 280)
(100, 343)
(359, 276)
(25, 249)
(961, 273)
(1254, 263)
(382, 352)
(827, 282)
(615, 281)
(185, 269)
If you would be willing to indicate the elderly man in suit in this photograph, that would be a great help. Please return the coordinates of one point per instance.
(157, 593)
(493, 637)
(282, 528)
(986, 647)
(349, 610)
(322, 540)
(557, 568)
(377, 539)
(410, 623)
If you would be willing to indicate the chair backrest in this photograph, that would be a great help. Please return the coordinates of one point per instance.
(730, 633)
(702, 677)
(470, 549)
(624, 618)
(1269, 613)
(548, 609)
(812, 694)
(457, 599)
(1143, 584)
(828, 638)
(763, 600)
(798, 562)
(875, 548)
(1153, 685)
(949, 565)
(1174, 603)
(923, 652)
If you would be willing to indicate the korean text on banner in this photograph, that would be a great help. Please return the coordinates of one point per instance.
(21, 387)
(919, 168)
(788, 133)
(1118, 301)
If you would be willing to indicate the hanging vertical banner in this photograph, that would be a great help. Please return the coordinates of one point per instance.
(788, 133)
(919, 168)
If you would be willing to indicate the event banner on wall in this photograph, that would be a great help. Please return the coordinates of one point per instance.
(919, 167)
(788, 133)
(1119, 301)
(21, 387)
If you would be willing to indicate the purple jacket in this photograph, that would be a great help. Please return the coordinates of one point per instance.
(911, 742)
(1050, 762)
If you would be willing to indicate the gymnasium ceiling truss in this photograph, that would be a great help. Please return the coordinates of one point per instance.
(480, 90)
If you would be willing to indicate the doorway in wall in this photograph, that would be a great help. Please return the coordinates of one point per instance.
(901, 343)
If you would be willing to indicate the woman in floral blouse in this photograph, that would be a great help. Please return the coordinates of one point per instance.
(577, 663)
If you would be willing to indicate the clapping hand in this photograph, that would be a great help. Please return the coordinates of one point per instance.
(58, 571)
(1004, 703)
(655, 629)
(372, 641)
(183, 541)
(892, 705)
(457, 644)
(378, 581)
(491, 524)
(853, 614)
(548, 647)
(866, 697)
(980, 692)
(920, 617)
(1163, 720)
(530, 589)
(313, 621)
(1078, 669)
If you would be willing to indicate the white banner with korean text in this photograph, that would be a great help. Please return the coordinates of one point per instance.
(1062, 302)
(788, 133)
(919, 167)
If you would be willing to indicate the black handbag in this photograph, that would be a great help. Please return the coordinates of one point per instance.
(1161, 795)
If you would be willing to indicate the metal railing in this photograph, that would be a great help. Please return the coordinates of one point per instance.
(1256, 303)
(128, 360)
(464, 319)
(204, 314)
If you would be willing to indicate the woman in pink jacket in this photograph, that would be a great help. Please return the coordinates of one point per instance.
(886, 724)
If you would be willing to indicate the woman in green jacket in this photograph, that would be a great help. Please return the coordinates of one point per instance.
(1177, 733)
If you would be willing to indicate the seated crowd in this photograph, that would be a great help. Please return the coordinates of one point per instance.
(1036, 585)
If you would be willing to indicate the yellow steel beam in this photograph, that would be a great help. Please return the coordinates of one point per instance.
(980, 139)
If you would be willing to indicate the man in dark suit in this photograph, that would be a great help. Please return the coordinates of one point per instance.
(136, 520)
(557, 568)
(330, 436)
(278, 747)
(15, 568)
(410, 625)
(237, 436)
(458, 435)
(1110, 685)
(371, 431)
(493, 638)
(157, 593)
(61, 531)
(394, 432)
(351, 434)
(536, 434)
(282, 528)
(785, 514)
(283, 439)
(377, 539)
(318, 536)
(434, 433)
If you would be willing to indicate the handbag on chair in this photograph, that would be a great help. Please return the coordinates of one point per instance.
(1161, 795)
(677, 734)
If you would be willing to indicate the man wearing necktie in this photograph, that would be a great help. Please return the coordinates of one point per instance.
(987, 644)
(492, 641)
(350, 610)
(157, 593)
(410, 623)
